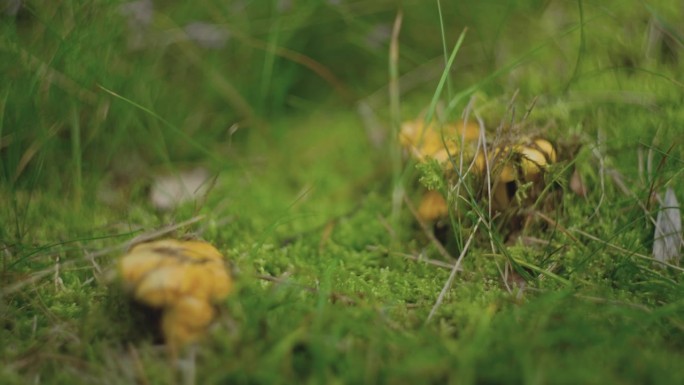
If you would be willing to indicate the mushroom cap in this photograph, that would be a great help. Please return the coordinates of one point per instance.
(547, 148)
(507, 173)
(437, 142)
(165, 285)
(137, 264)
(535, 157)
(532, 162)
(160, 272)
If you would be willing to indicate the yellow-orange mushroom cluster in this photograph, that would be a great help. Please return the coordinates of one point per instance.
(182, 278)
(519, 160)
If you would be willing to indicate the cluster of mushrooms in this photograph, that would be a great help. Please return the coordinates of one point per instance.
(501, 167)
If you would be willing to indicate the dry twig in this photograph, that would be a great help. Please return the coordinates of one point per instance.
(455, 269)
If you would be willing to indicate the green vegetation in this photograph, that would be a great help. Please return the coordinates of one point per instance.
(290, 105)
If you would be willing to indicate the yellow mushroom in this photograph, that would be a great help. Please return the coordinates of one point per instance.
(532, 162)
(432, 207)
(547, 148)
(134, 269)
(500, 186)
(432, 142)
(535, 157)
(183, 278)
(500, 197)
(186, 321)
(517, 160)
(506, 173)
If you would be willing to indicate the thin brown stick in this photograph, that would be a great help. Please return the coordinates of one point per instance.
(452, 276)
(37, 276)
(395, 114)
(429, 261)
(163, 231)
(33, 278)
(144, 237)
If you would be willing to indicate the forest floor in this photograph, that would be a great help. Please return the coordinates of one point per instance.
(335, 279)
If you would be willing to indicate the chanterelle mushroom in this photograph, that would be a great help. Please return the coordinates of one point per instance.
(506, 164)
(183, 279)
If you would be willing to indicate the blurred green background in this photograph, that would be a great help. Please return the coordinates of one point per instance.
(192, 76)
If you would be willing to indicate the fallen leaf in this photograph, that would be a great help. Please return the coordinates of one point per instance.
(577, 184)
(667, 240)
